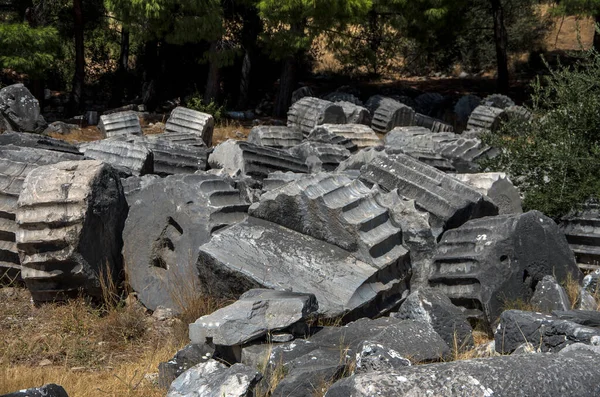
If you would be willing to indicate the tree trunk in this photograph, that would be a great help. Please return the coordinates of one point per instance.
(501, 40)
(150, 74)
(250, 31)
(124, 56)
(596, 35)
(120, 80)
(212, 82)
(287, 82)
(244, 82)
(76, 99)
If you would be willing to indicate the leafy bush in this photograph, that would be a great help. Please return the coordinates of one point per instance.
(26, 49)
(555, 157)
(196, 102)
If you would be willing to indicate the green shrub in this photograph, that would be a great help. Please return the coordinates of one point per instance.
(555, 158)
(196, 102)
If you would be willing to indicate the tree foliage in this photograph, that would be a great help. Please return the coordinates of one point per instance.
(555, 158)
(26, 49)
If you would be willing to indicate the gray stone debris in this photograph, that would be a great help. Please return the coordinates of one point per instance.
(360, 158)
(589, 318)
(70, 217)
(435, 308)
(37, 141)
(582, 229)
(130, 156)
(241, 157)
(191, 122)
(355, 114)
(188, 139)
(277, 179)
(309, 112)
(551, 375)
(432, 124)
(192, 354)
(341, 211)
(174, 158)
(168, 220)
(49, 390)
(133, 184)
(585, 300)
(489, 261)
(300, 93)
(591, 282)
(390, 114)
(498, 187)
(549, 295)
(429, 103)
(487, 118)
(498, 101)
(255, 314)
(121, 123)
(465, 106)
(213, 379)
(324, 136)
(450, 203)
(260, 254)
(545, 332)
(19, 110)
(279, 137)
(320, 156)
(340, 96)
(60, 127)
(361, 135)
(372, 356)
(15, 164)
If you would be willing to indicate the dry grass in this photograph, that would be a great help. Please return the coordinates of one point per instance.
(230, 129)
(86, 134)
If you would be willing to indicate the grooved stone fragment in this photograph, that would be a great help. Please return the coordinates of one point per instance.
(360, 158)
(361, 135)
(432, 124)
(175, 158)
(37, 141)
(320, 156)
(489, 260)
(260, 254)
(450, 203)
(15, 164)
(487, 118)
(389, 114)
(121, 123)
(188, 121)
(582, 229)
(573, 374)
(355, 114)
(257, 161)
(324, 136)
(496, 186)
(129, 155)
(278, 137)
(168, 220)
(70, 217)
(309, 112)
(255, 314)
(277, 179)
(19, 110)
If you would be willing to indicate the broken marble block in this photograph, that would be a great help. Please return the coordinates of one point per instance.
(19, 110)
(37, 141)
(320, 156)
(254, 315)
(192, 354)
(449, 202)
(389, 114)
(486, 262)
(355, 114)
(498, 187)
(260, 254)
(432, 124)
(324, 136)
(70, 218)
(121, 123)
(487, 118)
(361, 135)
(257, 161)
(188, 121)
(582, 229)
(309, 112)
(549, 295)
(573, 374)
(132, 156)
(545, 332)
(213, 379)
(279, 137)
(168, 220)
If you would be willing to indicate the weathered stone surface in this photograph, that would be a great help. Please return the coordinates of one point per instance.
(340, 96)
(213, 379)
(15, 164)
(49, 390)
(496, 186)
(187, 121)
(133, 184)
(585, 300)
(277, 179)
(355, 114)
(121, 123)
(254, 315)
(261, 254)
(435, 308)
(549, 295)
(372, 356)
(390, 114)
(432, 124)
(257, 161)
(360, 158)
(589, 318)
(591, 282)
(188, 139)
(192, 354)
(174, 158)
(279, 137)
(20, 110)
(70, 217)
(131, 156)
(545, 332)
(60, 127)
(487, 118)
(309, 112)
(361, 135)
(324, 136)
(341, 211)
(168, 221)
(465, 106)
(450, 203)
(582, 229)
(37, 141)
(320, 156)
(553, 375)
(300, 93)
(487, 261)
(498, 101)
